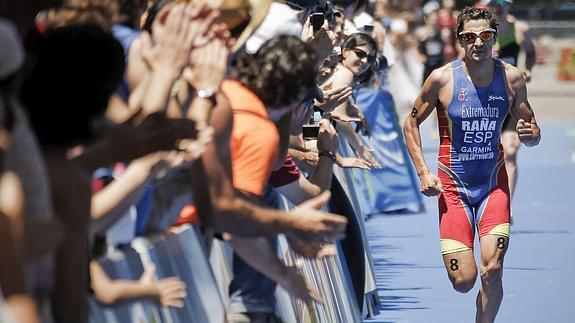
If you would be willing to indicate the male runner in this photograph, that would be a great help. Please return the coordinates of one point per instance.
(472, 96)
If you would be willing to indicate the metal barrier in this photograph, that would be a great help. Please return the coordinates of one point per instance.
(182, 254)
(346, 281)
(330, 277)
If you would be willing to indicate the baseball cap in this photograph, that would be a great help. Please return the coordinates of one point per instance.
(11, 52)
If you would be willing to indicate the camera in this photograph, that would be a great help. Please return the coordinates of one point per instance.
(367, 29)
(310, 131)
(316, 19)
(327, 12)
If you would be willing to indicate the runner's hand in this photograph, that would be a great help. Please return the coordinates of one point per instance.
(430, 184)
(528, 132)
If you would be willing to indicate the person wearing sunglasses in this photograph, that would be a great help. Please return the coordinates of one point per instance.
(514, 35)
(355, 68)
(358, 54)
(472, 97)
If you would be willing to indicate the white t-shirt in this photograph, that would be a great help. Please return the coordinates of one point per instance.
(281, 20)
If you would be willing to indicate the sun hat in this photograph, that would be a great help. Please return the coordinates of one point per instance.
(242, 17)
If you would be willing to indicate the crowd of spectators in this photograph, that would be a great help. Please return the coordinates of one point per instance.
(124, 118)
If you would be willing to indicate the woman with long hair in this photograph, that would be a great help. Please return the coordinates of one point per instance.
(356, 67)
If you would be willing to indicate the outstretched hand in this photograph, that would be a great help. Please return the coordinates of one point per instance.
(308, 223)
(312, 249)
(172, 39)
(297, 287)
(155, 133)
(327, 138)
(208, 63)
(322, 41)
(352, 162)
(333, 98)
(365, 153)
(170, 291)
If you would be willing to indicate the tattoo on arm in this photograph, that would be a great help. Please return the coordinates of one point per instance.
(414, 113)
(501, 243)
(454, 266)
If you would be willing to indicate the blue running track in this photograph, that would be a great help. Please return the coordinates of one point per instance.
(539, 276)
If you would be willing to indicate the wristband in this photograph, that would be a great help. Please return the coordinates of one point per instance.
(329, 154)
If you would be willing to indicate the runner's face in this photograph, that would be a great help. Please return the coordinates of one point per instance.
(480, 48)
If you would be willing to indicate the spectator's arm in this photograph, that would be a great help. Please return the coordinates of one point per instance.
(259, 254)
(114, 200)
(283, 126)
(304, 189)
(12, 281)
(362, 151)
(226, 210)
(169, 291)
(341, 79)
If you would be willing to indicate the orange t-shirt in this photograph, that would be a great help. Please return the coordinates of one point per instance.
(254, 144)
(255, 139)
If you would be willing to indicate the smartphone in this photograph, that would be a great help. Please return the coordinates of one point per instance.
(310, 131)
(316, 20)
(368, 28)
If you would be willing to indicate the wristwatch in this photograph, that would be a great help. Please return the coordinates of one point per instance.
(207, 94)
(329, 154)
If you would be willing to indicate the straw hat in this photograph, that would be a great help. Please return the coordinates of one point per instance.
(242, 17)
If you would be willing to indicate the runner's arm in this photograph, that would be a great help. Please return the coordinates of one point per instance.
(424, 104)
(527, 128)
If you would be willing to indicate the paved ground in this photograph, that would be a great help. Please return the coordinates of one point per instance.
(538, 281)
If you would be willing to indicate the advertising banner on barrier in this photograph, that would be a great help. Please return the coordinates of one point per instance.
(393, 188)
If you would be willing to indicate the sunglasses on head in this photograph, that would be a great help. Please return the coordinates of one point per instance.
(361, 55)
(501, 3)
(469, 37)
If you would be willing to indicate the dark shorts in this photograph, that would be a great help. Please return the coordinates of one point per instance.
(509, 123)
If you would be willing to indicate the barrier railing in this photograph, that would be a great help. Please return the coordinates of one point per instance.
(182, 254)
(346, 281)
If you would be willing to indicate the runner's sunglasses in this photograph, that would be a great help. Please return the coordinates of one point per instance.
(361, 55)
(470, 36)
